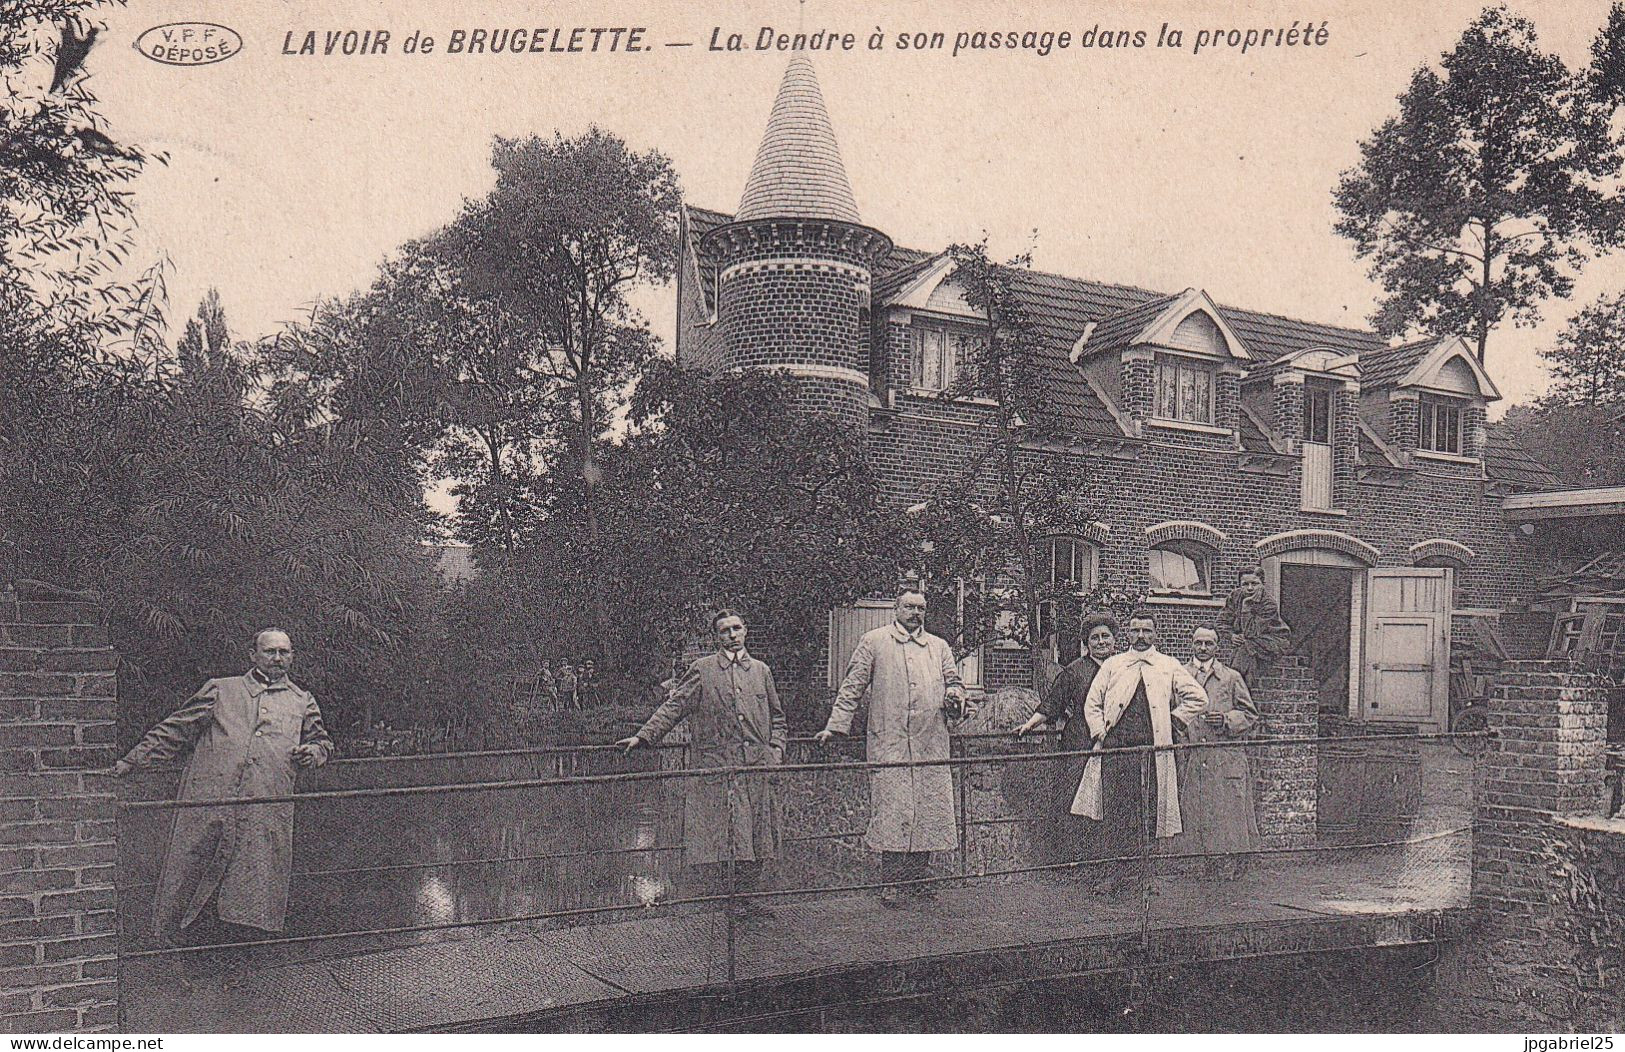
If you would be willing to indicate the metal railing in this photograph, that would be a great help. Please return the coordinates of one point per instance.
(1006, 792)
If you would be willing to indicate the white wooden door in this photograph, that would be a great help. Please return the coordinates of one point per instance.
(1317, 476)
(1407, 653)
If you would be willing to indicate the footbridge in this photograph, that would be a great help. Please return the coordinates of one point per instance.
(544, 889)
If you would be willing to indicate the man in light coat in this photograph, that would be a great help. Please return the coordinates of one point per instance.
(913, 686)
(226, 871)
(1137, 699)
(1220, 818)
(730, 827)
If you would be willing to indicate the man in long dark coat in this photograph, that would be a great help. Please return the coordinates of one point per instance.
(730, 824)
(229, 867)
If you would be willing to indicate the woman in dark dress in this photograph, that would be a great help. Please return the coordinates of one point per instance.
(1069, 833)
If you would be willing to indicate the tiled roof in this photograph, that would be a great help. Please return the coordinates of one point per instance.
(889, 285)
(1060, 308)
(1505, 460)
(1369, 452)
(798, 171)
(703, 220)
(1269, 336)
(1253, 439)
(1115, 332)
(1386, 366)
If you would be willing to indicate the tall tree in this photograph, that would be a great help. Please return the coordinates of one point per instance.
(1583, 445)
(1489, 190)
(1608, 58)
(727, 492)
(449, 381)
(199, 515)
(992, 525)
(571, 228)
(64, 204)
(1588, 360)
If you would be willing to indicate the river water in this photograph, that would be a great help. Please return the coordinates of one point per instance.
(441, 859)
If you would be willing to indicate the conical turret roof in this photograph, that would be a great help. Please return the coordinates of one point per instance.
(798, 172)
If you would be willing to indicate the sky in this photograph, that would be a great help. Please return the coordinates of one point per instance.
(290, 177)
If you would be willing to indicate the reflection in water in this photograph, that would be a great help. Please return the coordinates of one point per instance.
(435, 902)
(647, 886)
(445, 859)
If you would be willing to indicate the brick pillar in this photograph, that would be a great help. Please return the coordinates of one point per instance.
(1227, 399)
(1285, 776)
(1403, 420)
(1544, 762)
(1514, 967)
(1139, 385)
(1288, 411)
(1474, 429)
(1345, 445)
(58, 947)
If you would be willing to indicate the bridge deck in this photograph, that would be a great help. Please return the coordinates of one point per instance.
(587, 976)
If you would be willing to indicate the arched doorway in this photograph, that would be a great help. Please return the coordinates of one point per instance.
(1322, 597)
(1377, 638)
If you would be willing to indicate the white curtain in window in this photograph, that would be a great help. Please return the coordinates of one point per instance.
(1176, 571)
(1167, 405)
(934, 350)
(1184, 391)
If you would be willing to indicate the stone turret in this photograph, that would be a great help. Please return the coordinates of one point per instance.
(794, 267)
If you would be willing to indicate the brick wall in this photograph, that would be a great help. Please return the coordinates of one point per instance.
(1288, 412)
(1546, 761)
(890, 356)
(1345, 445)
(1546, 946)
(1139, 386)
(1286, 776)
(1135, 483)
(1227, 399)
(57, 848)
(1474, 430)
(795, 294)
(1403, 420)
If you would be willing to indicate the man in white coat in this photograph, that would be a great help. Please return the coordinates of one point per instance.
(913, 687)
(1136, 699)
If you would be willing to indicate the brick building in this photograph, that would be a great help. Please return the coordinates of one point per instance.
(1362, 477)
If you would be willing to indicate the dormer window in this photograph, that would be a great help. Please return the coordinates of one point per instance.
(1439, 425)
(940, 352)
(1184, 390)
